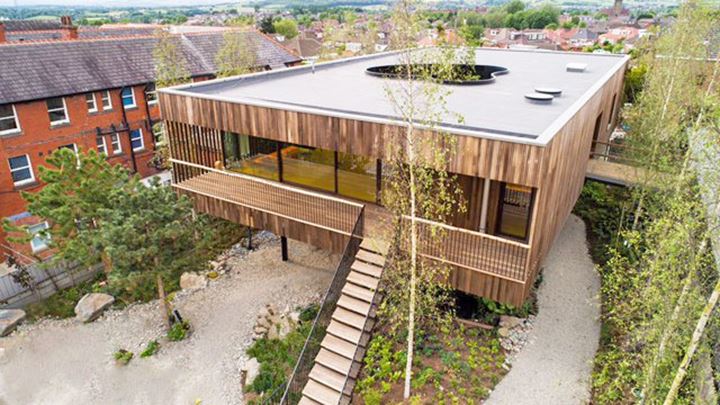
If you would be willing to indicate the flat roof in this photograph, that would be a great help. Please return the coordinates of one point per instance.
(498, 110)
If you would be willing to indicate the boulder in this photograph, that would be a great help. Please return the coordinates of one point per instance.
(9, 319)
(250, 370)
(192, 281)
(503, 332)
(294, 316)
(92, 305)
(510, 322)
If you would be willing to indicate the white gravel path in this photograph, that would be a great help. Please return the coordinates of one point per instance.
(555, 366)
(61, 362)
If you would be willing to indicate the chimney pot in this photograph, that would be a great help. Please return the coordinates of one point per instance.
(66, 21)
(2, 33)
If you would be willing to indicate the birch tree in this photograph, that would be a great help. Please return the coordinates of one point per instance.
(417, 185)
(170, 63)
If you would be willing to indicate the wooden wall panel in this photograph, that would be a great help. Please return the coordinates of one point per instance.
(564, 167)
(473, 156)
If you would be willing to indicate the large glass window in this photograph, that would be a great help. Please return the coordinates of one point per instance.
(357, 177)
(309, 167)
(515, 210)
(251, 155)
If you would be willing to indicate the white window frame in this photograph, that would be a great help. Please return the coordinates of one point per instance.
(160, 125)
(154, 93)
(17, 122)
(94, 108)
(132, 95)
(104, 150)
(45, 242)
(65, 111)
(142, 141)
(116, 137)
(105, 95)
(29, 166)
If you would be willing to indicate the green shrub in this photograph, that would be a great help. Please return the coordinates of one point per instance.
(123, 356)
(309, 313)
(178, 331)
(152, 347)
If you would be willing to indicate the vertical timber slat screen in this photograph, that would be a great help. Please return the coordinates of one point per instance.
(473, 250)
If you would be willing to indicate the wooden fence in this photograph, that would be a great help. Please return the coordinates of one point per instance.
(42, 281)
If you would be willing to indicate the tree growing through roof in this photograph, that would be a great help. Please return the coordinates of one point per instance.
(417, 185)
(170, 63)
(236, 55)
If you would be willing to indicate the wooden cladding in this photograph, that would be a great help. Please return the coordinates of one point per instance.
(195, 144)
(314, 209)
(472, 156)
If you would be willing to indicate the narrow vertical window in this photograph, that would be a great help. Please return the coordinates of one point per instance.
(128, 97)
(115, 143)
(515, 211)
(57, 111)
(106, 100)
(40, 239)
(91, 102)
(151, 94)
(101, 146)
(136, 139)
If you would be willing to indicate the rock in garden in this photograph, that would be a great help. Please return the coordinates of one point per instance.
(92, 305)
(510, 322)
(294, 316)
(192, 281)
(283, 327)
(9, 319)
(250, 370)
(503, 332)
(273, 332)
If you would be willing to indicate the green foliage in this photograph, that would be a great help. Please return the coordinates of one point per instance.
(277, 358)
(286, 27)
(62, 303)
(170, 63)
(656, 269)
(152, 347)
(178, 331)
(123, 356)
(634, 81)
(309, 313)
(236, 56)
(99, 214)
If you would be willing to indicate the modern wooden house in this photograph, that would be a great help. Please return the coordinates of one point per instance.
(300, 152)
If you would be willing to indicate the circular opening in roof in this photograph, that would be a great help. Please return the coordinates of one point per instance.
(458, 74)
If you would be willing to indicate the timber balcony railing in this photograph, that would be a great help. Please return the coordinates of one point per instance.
(297, 204)
(472, 250)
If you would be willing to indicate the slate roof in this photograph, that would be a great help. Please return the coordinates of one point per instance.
(31, 25)
(32, 71)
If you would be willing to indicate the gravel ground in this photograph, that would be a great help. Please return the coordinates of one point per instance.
(62, 362)
(555, 366)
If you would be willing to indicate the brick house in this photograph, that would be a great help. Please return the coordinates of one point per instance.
(82, 93)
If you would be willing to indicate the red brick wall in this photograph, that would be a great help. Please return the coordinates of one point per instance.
(38, 139)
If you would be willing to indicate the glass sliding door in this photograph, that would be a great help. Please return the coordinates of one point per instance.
(251, 155)
(515, 209)
(311, 167)
(357, 177)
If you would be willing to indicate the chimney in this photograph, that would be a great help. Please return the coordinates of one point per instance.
(2, 33)
(69, 31)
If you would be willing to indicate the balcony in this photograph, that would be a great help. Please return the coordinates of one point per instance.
(467, 250)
